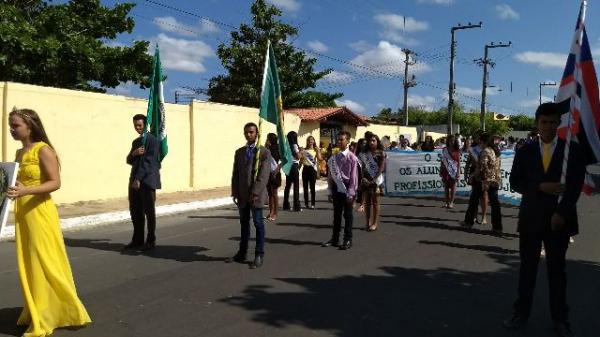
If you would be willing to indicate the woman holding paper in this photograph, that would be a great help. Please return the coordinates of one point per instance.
(450, 169)
(49, 292)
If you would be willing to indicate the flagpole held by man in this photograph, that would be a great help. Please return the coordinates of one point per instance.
(550, 174)
(145, 157)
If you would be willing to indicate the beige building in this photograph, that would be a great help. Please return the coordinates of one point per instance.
(92, 134)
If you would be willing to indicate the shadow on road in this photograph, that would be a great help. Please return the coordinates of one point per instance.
(482, 248)
(283, 241)
(303, 225)
(421, 302)
(225, 217)
(8, 322)
(452, 228)
(175, 253)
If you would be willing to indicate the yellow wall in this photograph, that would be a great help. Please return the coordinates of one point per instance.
(393, 131)
(435, 135)
(93, 132)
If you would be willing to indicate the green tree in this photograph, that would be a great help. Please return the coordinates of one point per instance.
(521, 123)
(244, 59)
(66, 45)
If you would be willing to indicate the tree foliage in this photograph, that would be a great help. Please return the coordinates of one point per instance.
(65, 45)
(244, 60)
(469, 121)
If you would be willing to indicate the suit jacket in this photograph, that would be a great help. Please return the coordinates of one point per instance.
(242, 185)
(538, 207)
(146, 168)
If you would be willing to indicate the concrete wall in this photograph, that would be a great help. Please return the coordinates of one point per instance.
(393, 131)
(93, 133)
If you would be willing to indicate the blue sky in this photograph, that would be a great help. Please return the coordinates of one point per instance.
(362, 35)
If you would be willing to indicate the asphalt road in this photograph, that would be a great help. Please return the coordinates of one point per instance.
(421, 274)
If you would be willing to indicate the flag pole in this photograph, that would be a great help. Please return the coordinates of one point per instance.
(258, 139)
(575, 102)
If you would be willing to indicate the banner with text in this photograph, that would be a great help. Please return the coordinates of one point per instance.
(414, 173)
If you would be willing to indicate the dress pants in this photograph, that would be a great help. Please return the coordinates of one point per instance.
(142, 211)
(257, 217)
(556, 245)
(292, 178)
(309, 179)
(342, 206)
(494, 202)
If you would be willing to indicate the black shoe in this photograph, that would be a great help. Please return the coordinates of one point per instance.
(239, 258)
(133, 246)
(515, 322)
(286, 207)
(149, 246)
(258, 262)
(466, 224)
(346, 245)
(331, 243)
(563, 329)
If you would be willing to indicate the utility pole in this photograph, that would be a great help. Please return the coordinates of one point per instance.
(543, 84)
(407, 84)
(451, 84)
(484, 62)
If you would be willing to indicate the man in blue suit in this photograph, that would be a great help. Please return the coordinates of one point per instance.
(144, 180)
(547, 214)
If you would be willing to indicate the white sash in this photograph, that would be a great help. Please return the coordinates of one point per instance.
(312, 160)
(336, 175)
(449, 163)
(372, 167)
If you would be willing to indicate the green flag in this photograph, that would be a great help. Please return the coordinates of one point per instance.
(271, 108)
(156, 108)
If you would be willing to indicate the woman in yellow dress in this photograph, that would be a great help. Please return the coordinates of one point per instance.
(48, 288)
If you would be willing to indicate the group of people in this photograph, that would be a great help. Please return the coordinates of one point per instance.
(547, 214)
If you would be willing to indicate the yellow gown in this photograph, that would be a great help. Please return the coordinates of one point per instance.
(48, 288)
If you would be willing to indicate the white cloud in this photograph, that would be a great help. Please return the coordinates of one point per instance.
(317, 46)
(427, 103)
(289, 5)
(542, 59)
(386, 58)
(534, 102)
(183, 55)
(337, 77)
(505, 12)
(171, 25)
(352, 105)
(361, 46)
(477, 92)
(113, 43)
(436, 2)
(395, 28)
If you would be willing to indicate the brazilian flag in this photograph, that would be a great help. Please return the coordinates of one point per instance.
(271, 109)
(155, 114)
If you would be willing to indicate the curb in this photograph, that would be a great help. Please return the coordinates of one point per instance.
(88, 221)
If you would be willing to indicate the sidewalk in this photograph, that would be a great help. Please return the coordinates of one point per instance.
(84, 214)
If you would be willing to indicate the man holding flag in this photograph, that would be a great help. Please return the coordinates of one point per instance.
(252, 163)
(550, 175)
(147, 152)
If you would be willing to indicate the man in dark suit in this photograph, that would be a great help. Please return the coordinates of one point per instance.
(547, 214)
(144, 180)
(249, 192)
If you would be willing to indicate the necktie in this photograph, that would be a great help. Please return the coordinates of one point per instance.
(547, 156)
(249, 152)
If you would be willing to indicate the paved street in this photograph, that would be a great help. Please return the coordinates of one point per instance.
(419, 275)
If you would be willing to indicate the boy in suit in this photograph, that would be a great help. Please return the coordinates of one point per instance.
(547, 214)
(249, 193)
(144, 180)
(342, 182)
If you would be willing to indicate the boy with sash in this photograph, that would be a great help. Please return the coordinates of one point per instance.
(342, 182)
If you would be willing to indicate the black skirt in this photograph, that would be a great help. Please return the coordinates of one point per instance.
(275, 180)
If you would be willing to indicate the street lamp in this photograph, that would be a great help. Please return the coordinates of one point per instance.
(543, 84)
